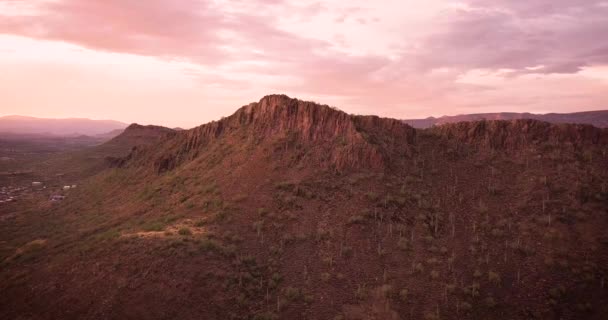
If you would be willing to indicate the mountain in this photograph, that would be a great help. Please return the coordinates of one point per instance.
(60, 127)
(45, 156)
(289, 209)
(89, 161)
(595, 118)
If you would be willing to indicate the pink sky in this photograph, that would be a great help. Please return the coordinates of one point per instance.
(184, 63)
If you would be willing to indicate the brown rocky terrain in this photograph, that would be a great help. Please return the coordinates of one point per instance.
(595, 118)
(292, 210)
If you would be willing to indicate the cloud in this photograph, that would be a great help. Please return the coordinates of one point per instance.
(562, 35)
(398, 55)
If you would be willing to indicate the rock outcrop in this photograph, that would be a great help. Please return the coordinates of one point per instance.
(520, 133)
(337, 140)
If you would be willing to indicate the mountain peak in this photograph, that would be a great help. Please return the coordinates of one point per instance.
(307, 132)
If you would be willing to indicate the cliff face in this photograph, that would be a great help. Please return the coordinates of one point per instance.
(335, 139)
(519, 133)
(319, 136)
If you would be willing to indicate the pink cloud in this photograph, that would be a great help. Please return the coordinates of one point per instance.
(241, 45)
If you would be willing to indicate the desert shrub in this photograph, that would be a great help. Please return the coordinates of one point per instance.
(403, 295)
(557, 292)
(482, 207)
(489, 302)
(466, 307)
(494, 277)
(497, 232)
(108, 235)
(403, 244)
(347, 252)
(184, 232)
(153, 226)
(262, 212)
(361, 292)
(450, 288)
(293, 294)
(418, 267)
(265, 316)
(325, 276)
(434, 274)
(209, 245)
(328, 260)
(323, 234)
(285, 186)
(472, 290)
(386, 290)
(258, 226)
(372, 196)
(355, 219)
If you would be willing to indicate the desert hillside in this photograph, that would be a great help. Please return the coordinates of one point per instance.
(289, 209)
(595, 118)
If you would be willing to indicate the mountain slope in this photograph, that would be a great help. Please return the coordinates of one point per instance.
(292, 210)
(595, 118)
(61, 127)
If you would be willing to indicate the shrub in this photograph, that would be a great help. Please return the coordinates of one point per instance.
(403, 244)
(209, 245)
(477, 273)
(472, 290)
(347, 252)
(325, 276)
(386, 290)
(293, 294)
(184, 232)
(153, 226)
(494, 277)
(418, 267)
(490, 302)
(262, 212)
(557, 292)
(265, 316)
(434, 274)
(356, 219)
(361, 292)
(403, 295)
(372, 196)
(258, 226)
(466, 307)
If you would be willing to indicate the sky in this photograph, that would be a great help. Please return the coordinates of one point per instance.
(187, 62)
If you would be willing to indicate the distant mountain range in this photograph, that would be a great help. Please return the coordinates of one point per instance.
(595, 118)
(60, 127)
(107, 129)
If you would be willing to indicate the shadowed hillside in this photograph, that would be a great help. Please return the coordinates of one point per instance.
(292, 210)
(595, 118)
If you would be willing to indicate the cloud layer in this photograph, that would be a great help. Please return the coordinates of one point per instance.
(396, 58)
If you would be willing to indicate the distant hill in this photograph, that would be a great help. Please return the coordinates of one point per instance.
(595, 118)
(59, 127)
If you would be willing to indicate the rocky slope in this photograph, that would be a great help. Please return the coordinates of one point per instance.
(292, 210)
(595, 118)
(321, 135)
